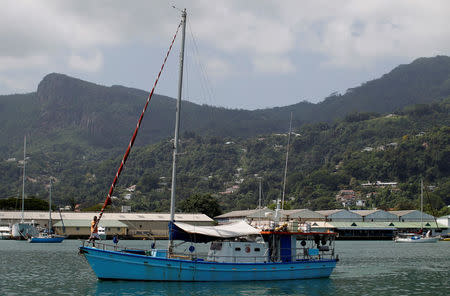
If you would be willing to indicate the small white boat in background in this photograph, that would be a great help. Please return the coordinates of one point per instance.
(24, 230)
(5, 232)
(102, 232)
(415, 238)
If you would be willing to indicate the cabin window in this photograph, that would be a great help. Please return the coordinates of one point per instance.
(140, 226)
(216, 246)
(78, 228)
(118, 228)
(237, 249)
(257, 249)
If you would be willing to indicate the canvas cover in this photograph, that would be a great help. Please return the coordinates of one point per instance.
(187, 232)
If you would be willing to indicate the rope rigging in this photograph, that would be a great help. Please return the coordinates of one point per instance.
(133, 138)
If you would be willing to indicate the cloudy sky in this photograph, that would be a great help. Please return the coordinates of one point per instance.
(240, 54)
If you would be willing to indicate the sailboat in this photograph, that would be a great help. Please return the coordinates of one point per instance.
(417, 237)
(48, 235)
(235, 252)
(23, 230)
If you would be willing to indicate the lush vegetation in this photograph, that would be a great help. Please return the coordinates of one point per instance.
(324, 158)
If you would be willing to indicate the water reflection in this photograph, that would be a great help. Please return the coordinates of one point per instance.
(295, 287)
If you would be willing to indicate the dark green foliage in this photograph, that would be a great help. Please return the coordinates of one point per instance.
(30, 204)
(77, 133)
(201, 203)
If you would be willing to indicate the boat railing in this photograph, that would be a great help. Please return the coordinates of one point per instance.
(285, 255)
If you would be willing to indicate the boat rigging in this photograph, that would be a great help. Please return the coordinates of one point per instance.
(237, 251)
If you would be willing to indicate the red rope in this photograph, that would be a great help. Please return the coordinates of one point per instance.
(130, 145)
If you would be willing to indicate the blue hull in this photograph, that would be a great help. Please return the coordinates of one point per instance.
(46, 239)
(114, 265)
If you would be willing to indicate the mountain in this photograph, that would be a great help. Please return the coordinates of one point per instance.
(324, 158)
(69, 111)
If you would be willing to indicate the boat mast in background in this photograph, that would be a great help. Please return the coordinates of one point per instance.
(421, 204)
(50, 226)
(23, 178)
(286, 165)
(177, 130)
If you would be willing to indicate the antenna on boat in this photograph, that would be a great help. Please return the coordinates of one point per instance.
(50, 226)
(23, 178)
(286, 165)
(177, 131)
(421, 204)
(259, 200)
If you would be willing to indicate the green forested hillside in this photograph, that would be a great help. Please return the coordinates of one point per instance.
(65, 111)
(324, 158)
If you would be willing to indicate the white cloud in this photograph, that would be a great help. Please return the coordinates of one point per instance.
(27, 62)
(91, 62)
(268, 37)
(273, 64)
(352, 34)
(218, 68)
(18, 83)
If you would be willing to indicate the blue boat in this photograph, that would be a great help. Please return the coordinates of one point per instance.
(48, 236)
(46, 239)
(236, 252)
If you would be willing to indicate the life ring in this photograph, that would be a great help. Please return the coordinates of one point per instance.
(247, 249)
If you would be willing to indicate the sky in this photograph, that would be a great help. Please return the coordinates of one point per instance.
(239, 54)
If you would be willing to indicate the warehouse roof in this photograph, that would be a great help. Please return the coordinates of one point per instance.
(87, 223)
(33, 215)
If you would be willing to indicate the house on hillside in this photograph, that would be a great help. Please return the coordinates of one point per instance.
(348, 198)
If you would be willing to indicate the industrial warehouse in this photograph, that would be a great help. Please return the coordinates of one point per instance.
(349, 224)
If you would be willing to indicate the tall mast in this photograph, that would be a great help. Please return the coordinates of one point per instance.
(23, 177)
(286, 165)
(177, 129)
(50, 209)
(259, 201)
(421, 203)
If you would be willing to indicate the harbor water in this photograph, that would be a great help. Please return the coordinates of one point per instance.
(365, 268)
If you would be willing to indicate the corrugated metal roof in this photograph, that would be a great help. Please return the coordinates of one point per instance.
(330, 212)
(87, 223)
(362, 225)
(383, 225)
(365, 212)
(5, 215)
(401, 213)
(301, 213)
(235, 214)
(260, 213)
(426, 224)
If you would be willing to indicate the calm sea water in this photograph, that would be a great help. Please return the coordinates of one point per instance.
(366, 268)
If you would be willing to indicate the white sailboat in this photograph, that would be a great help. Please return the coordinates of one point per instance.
(5, 232)
(417, 237)
(47, 236)
(237, 251)
(24, 230)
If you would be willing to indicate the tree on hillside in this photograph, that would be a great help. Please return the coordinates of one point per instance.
(201, 203)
